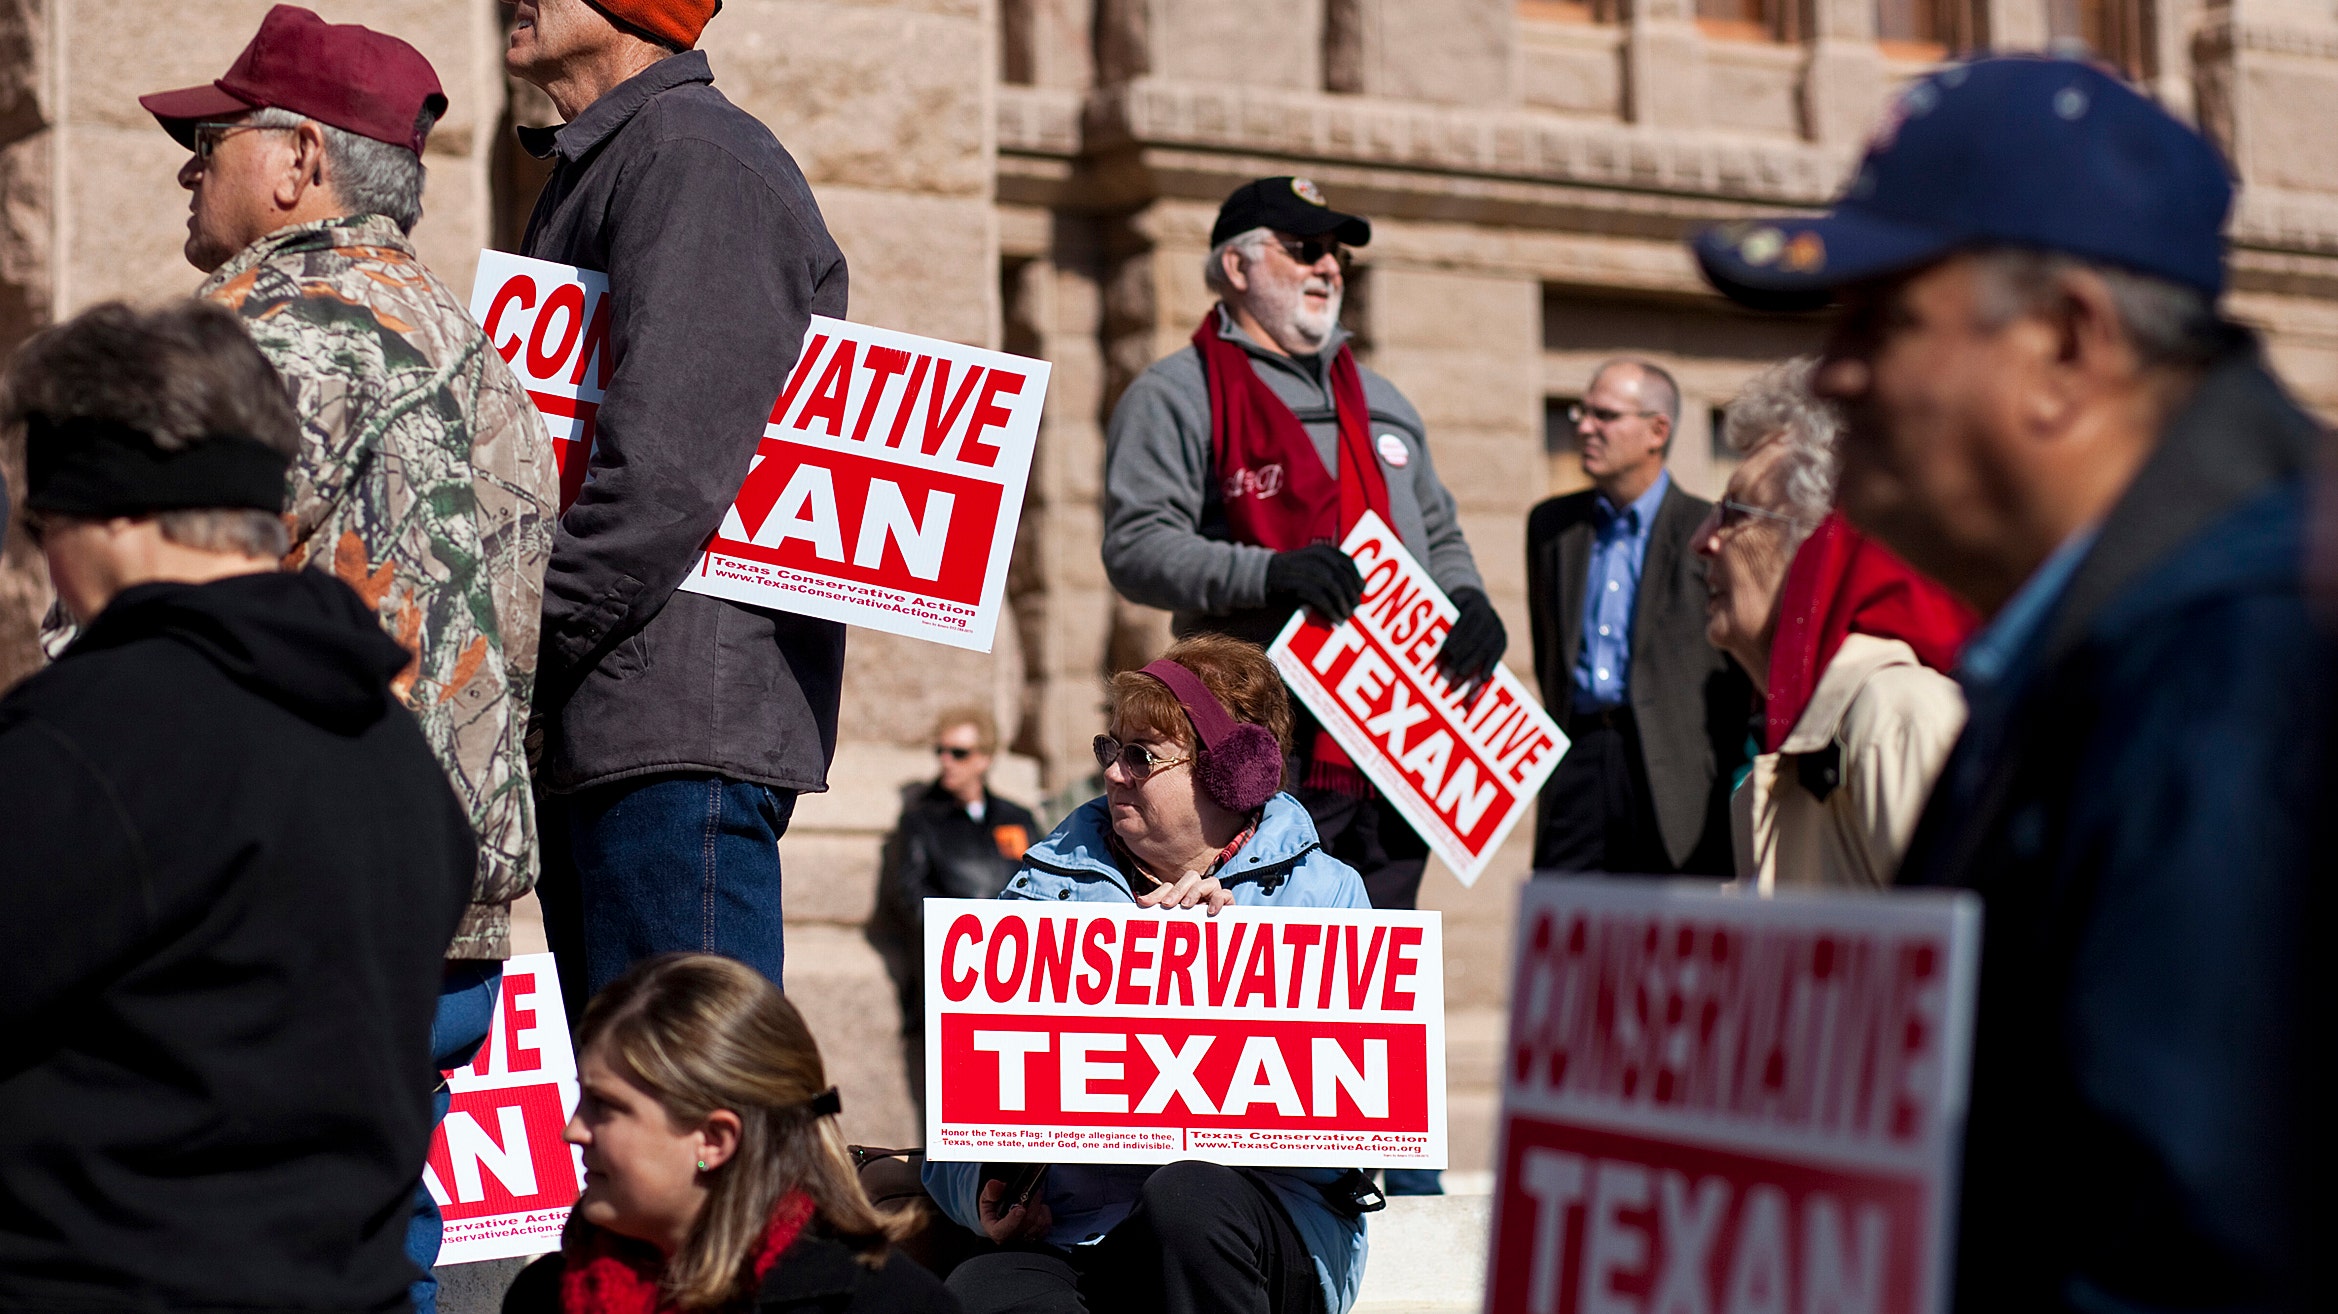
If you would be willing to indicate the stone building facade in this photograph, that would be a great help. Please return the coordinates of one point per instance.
(1041, 175)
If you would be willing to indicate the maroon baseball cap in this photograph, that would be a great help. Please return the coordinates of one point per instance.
(352, 77)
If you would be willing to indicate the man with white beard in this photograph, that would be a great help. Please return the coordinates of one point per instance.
(1234, 467)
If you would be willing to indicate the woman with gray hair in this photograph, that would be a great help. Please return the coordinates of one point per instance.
(1845, 642)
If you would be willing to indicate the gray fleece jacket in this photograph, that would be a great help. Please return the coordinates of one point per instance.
(1165, 542)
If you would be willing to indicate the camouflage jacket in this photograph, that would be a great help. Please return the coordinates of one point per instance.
(425, 481)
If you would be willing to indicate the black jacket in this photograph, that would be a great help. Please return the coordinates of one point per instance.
(816, 1275)
(2143, 805)
(1689, 701)
(939, 852)
(717, 259)
(230, 867)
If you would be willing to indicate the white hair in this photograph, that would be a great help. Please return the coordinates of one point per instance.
(1250, 244)
(2168, 323)
(1777, 405)
(368, 176)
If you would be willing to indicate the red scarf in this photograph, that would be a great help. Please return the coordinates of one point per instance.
(1842, 583)
(604, 1273)
(1276, 492)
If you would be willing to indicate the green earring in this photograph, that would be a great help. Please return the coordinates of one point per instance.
(702, 1165)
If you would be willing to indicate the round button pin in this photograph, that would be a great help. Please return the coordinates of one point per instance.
(1393, 451)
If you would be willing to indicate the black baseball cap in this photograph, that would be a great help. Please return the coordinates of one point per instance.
(1287, 205)
(2047, 154)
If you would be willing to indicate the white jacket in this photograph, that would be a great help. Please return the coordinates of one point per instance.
(1891, 721)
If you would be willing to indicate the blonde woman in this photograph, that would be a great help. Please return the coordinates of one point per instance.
(714, 1174)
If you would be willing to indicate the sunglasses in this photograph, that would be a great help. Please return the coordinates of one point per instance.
(1136, 759)
(1734, 514)
(953, 752)
(1310, 250)
(209, 135)
(1577, 410)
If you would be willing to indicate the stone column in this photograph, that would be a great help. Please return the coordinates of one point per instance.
(1844, 89)
(1664, 66)
(1457, 53)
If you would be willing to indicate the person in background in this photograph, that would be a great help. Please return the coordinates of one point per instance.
(715, 1176)
(1234, 467)
(679, 728)
(423, 479)
(2046, 412)
(1655, 715)
(232, 861)
(956, 841)
(1192, 815)
(1844, 642)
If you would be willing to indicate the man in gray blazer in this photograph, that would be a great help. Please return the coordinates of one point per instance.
(1657, 716)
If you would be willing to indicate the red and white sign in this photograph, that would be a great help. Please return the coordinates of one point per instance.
(503, 1178)
(1718, 1102)
(1462, 773)
(890, 476)
(550, 323)
(1106, 1033)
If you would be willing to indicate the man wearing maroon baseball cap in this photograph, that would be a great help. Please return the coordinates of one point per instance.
(423, 477)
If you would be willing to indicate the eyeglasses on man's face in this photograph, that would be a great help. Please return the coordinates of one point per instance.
(1310, 251)
(1576, 411)
(1137, 760)
(954, 752)
(208, 135)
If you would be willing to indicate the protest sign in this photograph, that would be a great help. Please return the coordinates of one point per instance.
(1087, 1033)
(1462, 773)
(503, 1178)
(550, 323)
(1713, 1101)
(888, 482)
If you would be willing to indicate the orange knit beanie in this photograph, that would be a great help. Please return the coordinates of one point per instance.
(678, 21)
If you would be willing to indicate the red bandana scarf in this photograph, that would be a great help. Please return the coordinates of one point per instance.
(603, 1273)
(1842, 583)
(1276, 492)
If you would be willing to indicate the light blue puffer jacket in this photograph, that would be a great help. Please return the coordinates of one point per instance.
(1283, 866)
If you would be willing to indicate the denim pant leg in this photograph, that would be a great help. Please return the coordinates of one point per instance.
(466, 1010)
(687, 863)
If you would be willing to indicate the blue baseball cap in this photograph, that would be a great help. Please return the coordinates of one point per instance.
(2048, 154)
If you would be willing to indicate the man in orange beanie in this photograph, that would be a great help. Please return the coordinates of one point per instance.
(679, 727)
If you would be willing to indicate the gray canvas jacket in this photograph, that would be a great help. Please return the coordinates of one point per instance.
(717, 259)
(1165, 539)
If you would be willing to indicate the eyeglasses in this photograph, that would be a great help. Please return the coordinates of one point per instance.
(1734, 514)
(1577, 410)
(209, 135)
(1311, 250)
(953, 752)
(1136, 759)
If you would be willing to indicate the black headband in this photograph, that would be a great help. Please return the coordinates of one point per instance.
(95, 468)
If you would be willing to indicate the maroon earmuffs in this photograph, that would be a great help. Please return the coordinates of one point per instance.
(1240, 764)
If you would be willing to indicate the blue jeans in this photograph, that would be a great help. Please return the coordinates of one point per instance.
(1413, 1181)
(658, 864)
(466, 1012)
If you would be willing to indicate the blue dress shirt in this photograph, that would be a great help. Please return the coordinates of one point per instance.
(1619, 547)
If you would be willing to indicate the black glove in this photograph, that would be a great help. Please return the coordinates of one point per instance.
(1318, 577)
(1475, 642)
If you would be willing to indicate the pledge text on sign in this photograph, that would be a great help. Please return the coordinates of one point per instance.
(1462, 772)
(1718, 1102)
(1107, 1034)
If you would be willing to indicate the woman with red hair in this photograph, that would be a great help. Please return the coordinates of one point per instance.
(1845, 642)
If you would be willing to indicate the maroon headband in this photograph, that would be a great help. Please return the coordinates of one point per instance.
(1209, 716)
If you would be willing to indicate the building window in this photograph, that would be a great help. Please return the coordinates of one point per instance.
(2119, 32)
(1017, 54)
(1572, 11)
(1928, 29)
(1751, 20)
